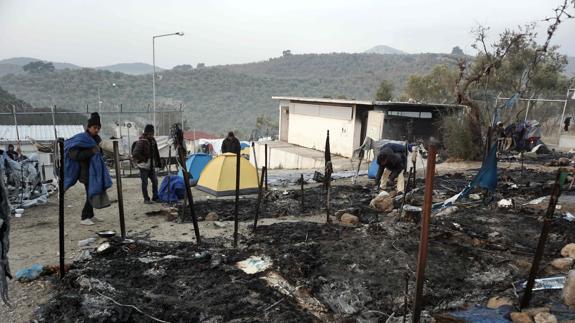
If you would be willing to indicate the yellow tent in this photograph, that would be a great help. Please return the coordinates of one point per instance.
(219, 176)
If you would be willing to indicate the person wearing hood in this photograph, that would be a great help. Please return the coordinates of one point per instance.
(83, 156)
(147, 157)
(231, 144)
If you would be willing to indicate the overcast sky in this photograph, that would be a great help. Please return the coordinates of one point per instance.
(103, 32)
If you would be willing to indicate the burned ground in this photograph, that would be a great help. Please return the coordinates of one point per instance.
(356, 273)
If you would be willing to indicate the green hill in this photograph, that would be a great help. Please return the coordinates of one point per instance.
(226, 97)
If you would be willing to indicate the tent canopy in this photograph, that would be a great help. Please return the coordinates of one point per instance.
(195, 164)
(219, 176)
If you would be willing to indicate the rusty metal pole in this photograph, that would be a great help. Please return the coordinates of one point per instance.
(555, 192)
(237, 204)
(119, 189)
(422, 255)
(260, 187)
(61, 206)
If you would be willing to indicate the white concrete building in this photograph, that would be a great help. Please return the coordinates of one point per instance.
(304, 122)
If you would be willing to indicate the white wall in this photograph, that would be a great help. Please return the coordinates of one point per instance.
(308, 125)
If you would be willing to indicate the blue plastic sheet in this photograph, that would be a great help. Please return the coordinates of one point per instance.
(176, 192)
(30, 273)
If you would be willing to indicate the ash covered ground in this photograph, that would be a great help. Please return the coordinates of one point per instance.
(337, 273)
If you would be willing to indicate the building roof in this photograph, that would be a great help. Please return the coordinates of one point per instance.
(37, 132)
(195, 135)
(366, 102)
(323, 100)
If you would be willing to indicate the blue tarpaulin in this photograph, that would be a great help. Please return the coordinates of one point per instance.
(195, 164)
(177, 189)
(486, 178)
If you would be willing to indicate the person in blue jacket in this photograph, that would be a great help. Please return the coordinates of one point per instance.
(83, 156)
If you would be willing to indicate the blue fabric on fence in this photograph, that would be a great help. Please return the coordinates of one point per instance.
(99, 176)
(177, 189)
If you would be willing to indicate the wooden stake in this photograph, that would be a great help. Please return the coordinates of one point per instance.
(547, 221)
(61, 206)
(423, 243)
(119, 189)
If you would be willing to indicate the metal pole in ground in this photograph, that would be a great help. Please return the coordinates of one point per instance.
(119, 189)
(555, 192)
(169, 173)
(259, 199)
(302, 199)
(255, 160)
(266, 165)
(61, 206)
(327, 177)
(422, 255)
(182, 157)
(237, 204)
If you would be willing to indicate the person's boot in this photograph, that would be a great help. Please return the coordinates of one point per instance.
(87, 222)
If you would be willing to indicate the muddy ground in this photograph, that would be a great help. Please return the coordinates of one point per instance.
(354, 273)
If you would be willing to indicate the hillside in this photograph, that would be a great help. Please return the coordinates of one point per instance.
(383, 49)
(130, 68)
(21, 61)
(7, 100)
(227, 97)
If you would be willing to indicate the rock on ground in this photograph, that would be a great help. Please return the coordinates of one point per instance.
(569, 289)
(568, 250)
(545, 318)
(498, 301)
(562, 264)
(349, 220)
(212, 216)
(520, 317)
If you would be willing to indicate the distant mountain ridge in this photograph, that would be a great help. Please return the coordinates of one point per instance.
(130, 68)
(14, 66)
(384, 49)
(21, 61)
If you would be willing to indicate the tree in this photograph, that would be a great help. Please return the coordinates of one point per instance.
(457, 51)
(492, 58)
(384, 91)
(183, 68)
(39, 67)
(286, 52)
(436, 87)
(201, 65)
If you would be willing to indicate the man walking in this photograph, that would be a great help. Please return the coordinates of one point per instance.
(147, 157)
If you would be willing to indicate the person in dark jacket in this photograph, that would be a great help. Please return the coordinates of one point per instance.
(231, 144)
(83, 156)
(392, 159)
(147, 157)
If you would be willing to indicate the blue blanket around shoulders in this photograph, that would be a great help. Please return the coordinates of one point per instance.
(99, 176)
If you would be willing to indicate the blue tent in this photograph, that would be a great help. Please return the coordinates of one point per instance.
(195, 164)
(244, 144)
(176, 190)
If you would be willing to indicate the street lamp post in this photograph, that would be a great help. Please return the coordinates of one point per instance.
(154, 64)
